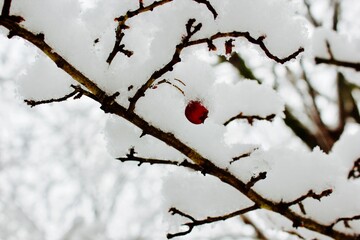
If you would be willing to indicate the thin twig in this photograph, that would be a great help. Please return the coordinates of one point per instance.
(255, 179)
(250, 119)
(257, 41)
(346, 221)
(118, 46)
(130, 157)
(76, 93)
(209, 6)
(310, 194)
(193, 222)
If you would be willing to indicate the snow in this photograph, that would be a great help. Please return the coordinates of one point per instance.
(84, 35)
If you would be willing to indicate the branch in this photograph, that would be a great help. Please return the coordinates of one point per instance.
(130, 157)
(346, 221)
(250, 119)
(339, 63)
(118, 47)
(113, 107)
(193, 222)
(191, 29)
(255, 179)
(247, 154)
(77, 93)
(257, 41)
(311, 194)
(6, 8)
(209, 6)
(335, 62)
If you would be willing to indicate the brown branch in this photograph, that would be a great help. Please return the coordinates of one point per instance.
(333, 61)
(191, 29)
(171, 84)
(6, 8)
(247, 154)
(130, 157)
(193, 222)
(118, 47)
(113, 107)
(250, 119)
(255, 179)
(310, 194)
(209, 6)
(76, 93)
(257, 41)
(346, 221)
(339, 63)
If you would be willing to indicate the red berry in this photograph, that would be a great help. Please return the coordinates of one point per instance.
(196, 112)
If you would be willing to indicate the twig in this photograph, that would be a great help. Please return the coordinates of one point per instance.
(339, 63)
(209, 6)
(346, 221)
(257, 41)
(336, 15)
(193, 222)
(333, 61)
(250, 119)
(118, 46)
(76, 93)
(191, 29)
(247, 154)
(130, 157)
(171, 84)
(310, 194)
(255, 179)
(6, 8)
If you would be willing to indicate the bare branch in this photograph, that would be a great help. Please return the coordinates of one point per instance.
(191, 29)
(118, 46)
(76, 93)
(310, 194)
(247, 154)
(6, 8)
(193, 222)
(250, 119)
(336, 15)
(339, 63)
(257, 41)
(209, 6)
(130, 157)
(255, 179)
(333, 61)
(346, 221)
